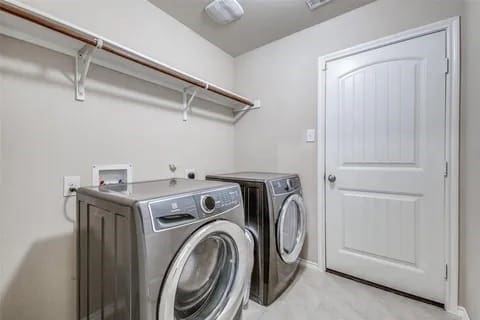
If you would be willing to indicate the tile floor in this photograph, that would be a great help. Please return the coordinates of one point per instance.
(323, 296)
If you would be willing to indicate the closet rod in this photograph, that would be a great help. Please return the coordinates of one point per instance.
(118, 51)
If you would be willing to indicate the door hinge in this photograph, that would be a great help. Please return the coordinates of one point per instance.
(446, 169)
(446, 272)
(447, 65)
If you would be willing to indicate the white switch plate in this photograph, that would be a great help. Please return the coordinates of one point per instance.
(68, 183)
(310, 136)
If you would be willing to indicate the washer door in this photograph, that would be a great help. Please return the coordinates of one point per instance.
(291, 228)
(207, 278)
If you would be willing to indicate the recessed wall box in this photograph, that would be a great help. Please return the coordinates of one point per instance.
(111, 174)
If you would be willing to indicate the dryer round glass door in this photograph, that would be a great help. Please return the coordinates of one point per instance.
(207, 277)
(291, 228)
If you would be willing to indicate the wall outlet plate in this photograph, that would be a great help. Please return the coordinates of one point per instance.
(70, 182)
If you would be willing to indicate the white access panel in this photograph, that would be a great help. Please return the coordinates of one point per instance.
(385, 164)
(112, 174)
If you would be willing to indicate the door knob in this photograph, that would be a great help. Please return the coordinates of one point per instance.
(332, 178)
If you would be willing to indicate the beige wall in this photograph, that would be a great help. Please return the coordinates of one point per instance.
(284, 74)
(45, 134)
(470, 161)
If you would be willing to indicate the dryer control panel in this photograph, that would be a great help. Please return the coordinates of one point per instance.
(174, 211)
(285, 185)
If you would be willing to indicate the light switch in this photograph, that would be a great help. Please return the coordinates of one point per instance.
(310, 136)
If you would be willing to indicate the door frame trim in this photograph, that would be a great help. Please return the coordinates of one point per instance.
(451, 27)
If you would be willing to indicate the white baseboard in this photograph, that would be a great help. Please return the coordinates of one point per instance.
(310, 264)
(462, 313)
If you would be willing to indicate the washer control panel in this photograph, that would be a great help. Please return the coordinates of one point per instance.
(219, 201)
(285, 185)
(174, 211)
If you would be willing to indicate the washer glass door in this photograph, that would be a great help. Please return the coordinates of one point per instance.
(291, 228)
(207, 278)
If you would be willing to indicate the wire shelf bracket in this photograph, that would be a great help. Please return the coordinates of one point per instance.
(241, 112)
(82, 64)
(187, 101)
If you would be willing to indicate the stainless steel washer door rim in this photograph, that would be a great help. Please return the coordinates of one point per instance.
(233, 299)
(292, 228)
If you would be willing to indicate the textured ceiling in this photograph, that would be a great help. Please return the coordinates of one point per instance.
(264, 20)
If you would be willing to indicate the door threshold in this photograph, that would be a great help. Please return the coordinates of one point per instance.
(379, 286)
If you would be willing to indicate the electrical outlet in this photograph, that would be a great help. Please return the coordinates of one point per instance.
(191, 173)
(70, 182)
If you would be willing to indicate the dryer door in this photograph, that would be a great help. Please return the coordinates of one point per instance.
(291, 228)
(207, 278)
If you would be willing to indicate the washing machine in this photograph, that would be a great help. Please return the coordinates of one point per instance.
(162, 250)
(275, 214)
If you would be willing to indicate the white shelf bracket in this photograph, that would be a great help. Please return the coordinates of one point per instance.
(82, 64)
(241, 112)
(187, 102)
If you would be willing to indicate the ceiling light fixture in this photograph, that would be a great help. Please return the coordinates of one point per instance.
(314, 4)
(224, 11)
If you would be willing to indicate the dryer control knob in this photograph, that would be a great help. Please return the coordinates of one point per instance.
(208, 204)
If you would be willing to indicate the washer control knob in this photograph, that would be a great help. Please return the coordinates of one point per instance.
(208, 204)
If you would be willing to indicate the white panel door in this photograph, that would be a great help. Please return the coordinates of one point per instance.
(385, 157)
